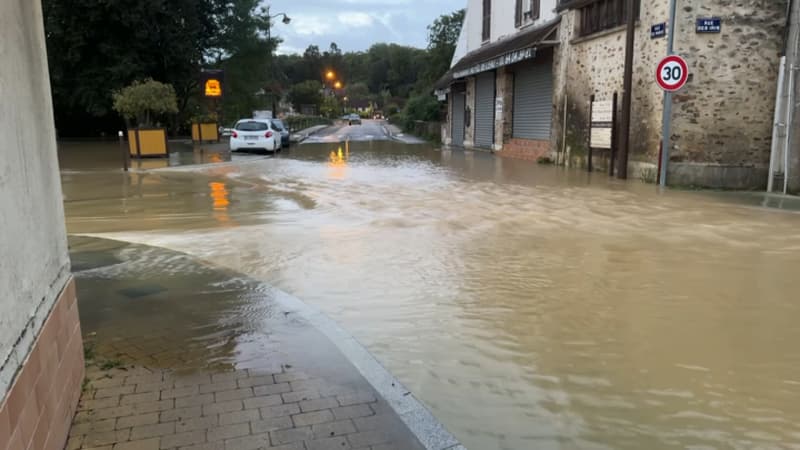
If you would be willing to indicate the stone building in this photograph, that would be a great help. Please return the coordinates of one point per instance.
(41, 352)
(722, 120)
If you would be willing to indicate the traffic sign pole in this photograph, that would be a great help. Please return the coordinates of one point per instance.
(667, 114)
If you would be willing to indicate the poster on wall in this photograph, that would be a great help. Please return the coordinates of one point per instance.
(602, 122)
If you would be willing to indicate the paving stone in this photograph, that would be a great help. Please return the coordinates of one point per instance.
(252, 442)
(330, 429)
(292, 446)
(293, 397)
(222, 407)
(255, 381)
(106, 438)
(308, 385)
(196, 423)
(101, 403)
(149, 431)
(228, 376)
(183, 439)
(365, 438)
(312, 418)
(271, 424)
(334, 443)
(144, 397)
(259, 402)
(114, 391)
(154, 387)
(271, 389)
(157, 377)
(207, 446)
(179, 392)
(353, 399)
(138, 420)
(93, 426)
(202, 399)
(181, 413)
(351, 412)
(107, 382)
(194, 379)
(290, 376)
(248, 415)
(388, 446)
(161, 405)
(320, 403)
(146, 444)
(217, 387)
(74, 442)
(228, 431)
(236, 394)
(279, 410)
(372, 422)
(105, 447)
(290, 435)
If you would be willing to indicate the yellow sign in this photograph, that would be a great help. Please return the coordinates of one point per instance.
(213, 88)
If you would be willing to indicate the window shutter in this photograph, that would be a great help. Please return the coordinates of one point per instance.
(535, 9)
(518, 14)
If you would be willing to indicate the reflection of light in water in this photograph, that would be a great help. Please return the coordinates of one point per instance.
(219, 194)
(215, 158)
(337, 161)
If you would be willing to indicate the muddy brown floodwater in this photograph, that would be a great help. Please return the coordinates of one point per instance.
(528, 306)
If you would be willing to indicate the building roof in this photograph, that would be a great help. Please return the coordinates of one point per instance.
(515, 48)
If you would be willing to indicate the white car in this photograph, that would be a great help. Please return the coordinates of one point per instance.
(255, 134)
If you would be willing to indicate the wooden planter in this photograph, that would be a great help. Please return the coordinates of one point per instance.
(147, 142)
(205, 132)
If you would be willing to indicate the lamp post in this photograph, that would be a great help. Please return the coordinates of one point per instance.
(286, 21)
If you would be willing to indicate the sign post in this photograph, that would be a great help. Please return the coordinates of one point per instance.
(668, 64)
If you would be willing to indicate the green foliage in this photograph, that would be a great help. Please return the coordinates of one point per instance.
(110, 364)
(142, 99)
(298, 123)
(442, 39)
(306, 93)
(423, 107)
(330, 107)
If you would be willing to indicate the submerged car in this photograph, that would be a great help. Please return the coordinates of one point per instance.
(255, 134)
(354, 119)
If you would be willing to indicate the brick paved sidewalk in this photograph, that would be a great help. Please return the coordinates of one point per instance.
(200, 359)
(139, 409)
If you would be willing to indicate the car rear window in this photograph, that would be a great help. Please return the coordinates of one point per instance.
(252, 126)
(278, 125)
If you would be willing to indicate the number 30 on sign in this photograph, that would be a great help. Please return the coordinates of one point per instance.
(672, 73)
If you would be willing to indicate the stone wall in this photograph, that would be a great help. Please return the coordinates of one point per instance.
(503, 122)
(724, 114)
(593, 65)
(469, 114)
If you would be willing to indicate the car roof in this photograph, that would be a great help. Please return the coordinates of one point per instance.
(267, 121)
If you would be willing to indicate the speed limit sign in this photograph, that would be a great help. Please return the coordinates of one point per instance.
(672, 73)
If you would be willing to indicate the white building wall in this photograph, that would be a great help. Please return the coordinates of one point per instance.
(34, 264)
(502, 23)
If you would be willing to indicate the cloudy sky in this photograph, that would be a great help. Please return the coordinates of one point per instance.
(357, 24)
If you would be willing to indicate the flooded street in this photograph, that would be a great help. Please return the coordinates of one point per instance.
(527, 306)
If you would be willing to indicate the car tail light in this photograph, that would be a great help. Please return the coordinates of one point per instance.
(235, 134)
(268, 135)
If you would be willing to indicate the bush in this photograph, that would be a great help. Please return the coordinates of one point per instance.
(144, 99)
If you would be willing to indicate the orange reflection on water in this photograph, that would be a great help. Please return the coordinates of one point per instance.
(219, 195)
(337, 161)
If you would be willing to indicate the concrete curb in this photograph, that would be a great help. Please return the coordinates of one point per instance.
(427, 429)
(308, 132)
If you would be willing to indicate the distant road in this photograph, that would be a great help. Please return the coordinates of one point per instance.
(369, 130)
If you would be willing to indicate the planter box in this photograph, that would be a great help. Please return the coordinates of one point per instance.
(147, 142)
(205, 132)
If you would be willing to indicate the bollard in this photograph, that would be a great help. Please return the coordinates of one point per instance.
(124, 151)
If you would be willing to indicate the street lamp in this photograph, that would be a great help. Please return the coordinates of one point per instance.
(330, 75)
(286, 21)
(338, 85)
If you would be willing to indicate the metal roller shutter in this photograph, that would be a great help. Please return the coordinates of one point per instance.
(484, 110)
(457, 124)
(533, 94)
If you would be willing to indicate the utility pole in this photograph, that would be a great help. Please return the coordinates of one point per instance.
(666, 119)
(627, 86)
(791, 180)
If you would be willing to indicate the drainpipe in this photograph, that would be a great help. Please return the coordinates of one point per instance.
(627, 86)
(792, 65)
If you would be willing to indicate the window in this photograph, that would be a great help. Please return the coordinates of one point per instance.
(251, 126)
(487, 20)
(604, 14)
(527, 11)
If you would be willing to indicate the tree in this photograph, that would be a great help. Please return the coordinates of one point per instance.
(306, 93)
(443, 36)
(143, 99)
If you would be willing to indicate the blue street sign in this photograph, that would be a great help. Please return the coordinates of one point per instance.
(658, 30)
(709, 25)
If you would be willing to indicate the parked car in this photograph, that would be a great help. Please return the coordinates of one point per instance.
(226, 131)
(255, 134)
(284, 130)
(354, 119)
